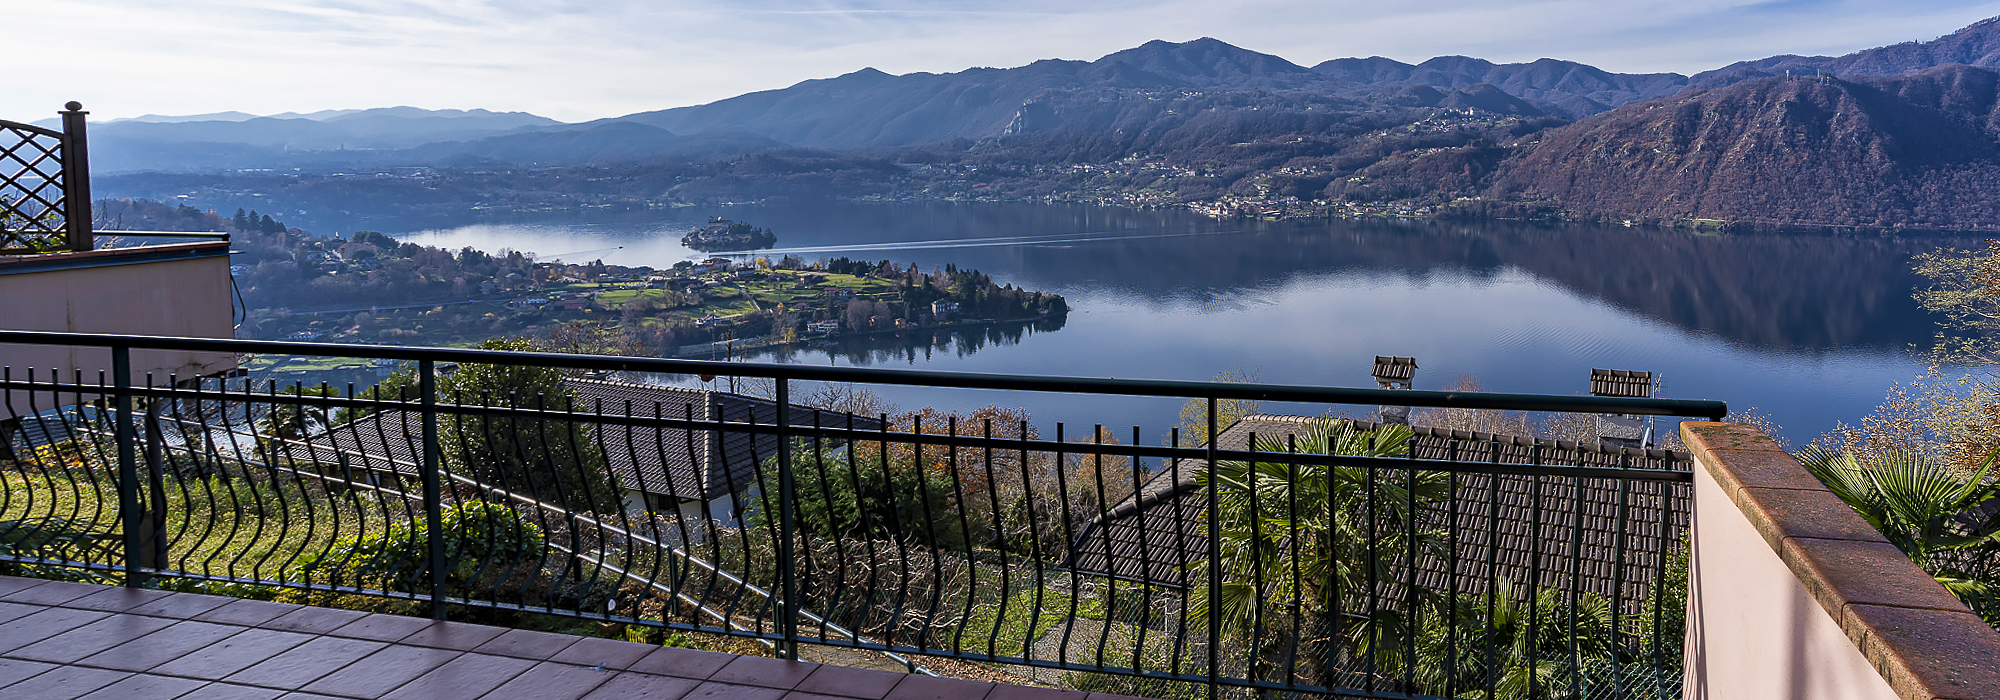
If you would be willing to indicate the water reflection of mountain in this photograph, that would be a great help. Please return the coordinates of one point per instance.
(1779, 292)
(908, 346)
(1773, 291)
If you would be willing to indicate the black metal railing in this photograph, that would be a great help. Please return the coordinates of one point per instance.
(1288, 555)
(45, 186)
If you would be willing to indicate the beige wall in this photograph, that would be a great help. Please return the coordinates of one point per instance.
(1754, 632)
(119, 293)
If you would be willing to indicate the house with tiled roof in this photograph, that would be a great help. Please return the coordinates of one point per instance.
(1523, 527)
(700, 473)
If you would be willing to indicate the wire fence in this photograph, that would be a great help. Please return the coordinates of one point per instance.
(1289, 555)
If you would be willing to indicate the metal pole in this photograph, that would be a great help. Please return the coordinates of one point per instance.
(1214, 565)
(787, 573)
(76, 179)
(129, 512)
(433, 498)
(156, 490)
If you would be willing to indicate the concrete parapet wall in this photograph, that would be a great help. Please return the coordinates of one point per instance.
(1793, 595)
(177, 290)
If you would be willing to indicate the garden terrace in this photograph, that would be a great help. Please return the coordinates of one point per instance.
(1314, 567)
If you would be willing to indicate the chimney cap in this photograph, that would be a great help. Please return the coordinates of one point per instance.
(1621, 383)
(1392, 368)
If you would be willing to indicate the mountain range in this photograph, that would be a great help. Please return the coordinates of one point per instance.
(1898, 136)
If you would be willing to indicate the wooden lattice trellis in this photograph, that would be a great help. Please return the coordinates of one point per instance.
(44, 187)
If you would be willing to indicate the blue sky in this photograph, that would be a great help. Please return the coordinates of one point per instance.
(583, 59)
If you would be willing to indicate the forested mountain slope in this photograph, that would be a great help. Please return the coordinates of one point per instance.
(1920, 150)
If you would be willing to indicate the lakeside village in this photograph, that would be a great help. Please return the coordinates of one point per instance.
(301, 287)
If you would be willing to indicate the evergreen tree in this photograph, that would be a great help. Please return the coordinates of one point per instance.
(557, 459)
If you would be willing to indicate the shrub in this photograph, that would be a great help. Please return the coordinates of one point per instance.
(482, 541)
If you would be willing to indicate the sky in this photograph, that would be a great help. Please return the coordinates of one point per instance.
(576, 60)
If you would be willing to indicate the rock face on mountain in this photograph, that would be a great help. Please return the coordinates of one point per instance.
(1574, 88)
(1975, 45)
(1920, 150)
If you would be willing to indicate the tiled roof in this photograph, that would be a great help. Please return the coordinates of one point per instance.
(682, 463)
(1154, 534)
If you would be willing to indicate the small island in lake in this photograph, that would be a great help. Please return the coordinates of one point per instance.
(721, 234)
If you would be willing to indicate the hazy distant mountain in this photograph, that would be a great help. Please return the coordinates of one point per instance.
(166, 119)
(1904, 136)
(872, 108)
(183, 144)
(604, 144)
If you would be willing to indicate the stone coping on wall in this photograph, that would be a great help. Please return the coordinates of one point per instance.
(1926, 644)
(69, 260)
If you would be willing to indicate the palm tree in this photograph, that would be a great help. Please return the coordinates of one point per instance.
(1521, 648)
(1927, 510)
(1296, 540)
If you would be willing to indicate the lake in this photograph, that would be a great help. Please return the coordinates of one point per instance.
(1811, 329)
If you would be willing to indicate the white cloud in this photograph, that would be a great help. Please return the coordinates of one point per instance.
(577, 60)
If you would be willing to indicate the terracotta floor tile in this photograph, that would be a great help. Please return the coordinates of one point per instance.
(181, 605)
(453, 635)
(246, 612)
(313, 620)
(10, 584)
(916, 687)
(54, 593)
(238, 652)
(14, 670)
(9, 611)
(162, 646)
(642, 686)
(851, 682)
(305, 663)
(527, 644)
(464, 678)
(609, 653)
(549, 680)
(307, 696)
(802, 695)
(383, 671)
(79, 643)
(231, 691)
(1004, 691)
(684, 663)
(117, 599)
(145, 687)
(730, 691)
(64, 683)
(767, 672)
(383, 628)
(28, 629)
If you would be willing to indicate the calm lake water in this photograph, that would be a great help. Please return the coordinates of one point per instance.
(1811, 329)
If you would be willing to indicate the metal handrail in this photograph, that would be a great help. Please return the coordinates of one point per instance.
(1691, 408)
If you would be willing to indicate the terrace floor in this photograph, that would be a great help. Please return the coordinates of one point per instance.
(64, 641)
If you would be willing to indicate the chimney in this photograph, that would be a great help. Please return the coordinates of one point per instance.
(1394, 373)
(1622, 430)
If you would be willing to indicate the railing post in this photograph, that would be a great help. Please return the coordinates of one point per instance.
(433, 492)
(130, 517)
(155, 551)
(77, 217)
(788, 608)
(1214, 564)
